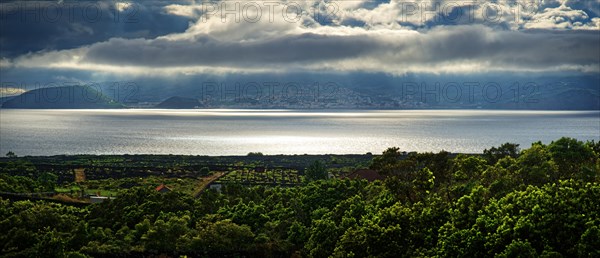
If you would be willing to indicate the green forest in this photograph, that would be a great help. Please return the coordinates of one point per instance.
(540, 201)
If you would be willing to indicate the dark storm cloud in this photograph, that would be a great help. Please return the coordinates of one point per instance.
(31, 26)
(518, 48)
(512, 49)
(206, 51)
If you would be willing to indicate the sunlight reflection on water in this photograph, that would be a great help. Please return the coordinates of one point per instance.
(237, 132)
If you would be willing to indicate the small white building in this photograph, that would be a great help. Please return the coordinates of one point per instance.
(216, 187)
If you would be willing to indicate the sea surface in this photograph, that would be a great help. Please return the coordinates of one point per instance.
(238, 132)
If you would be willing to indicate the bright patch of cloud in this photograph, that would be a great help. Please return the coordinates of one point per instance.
(562, 17)
(9, 91)
(122, 6)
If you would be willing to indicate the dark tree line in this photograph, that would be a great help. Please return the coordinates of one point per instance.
(542, 201)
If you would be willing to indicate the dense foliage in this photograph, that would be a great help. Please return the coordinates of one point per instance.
(543, 201)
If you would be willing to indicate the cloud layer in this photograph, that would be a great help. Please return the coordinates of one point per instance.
(394, 37)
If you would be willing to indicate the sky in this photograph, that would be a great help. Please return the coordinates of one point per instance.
(169, 40)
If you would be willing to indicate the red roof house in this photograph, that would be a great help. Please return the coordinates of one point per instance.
(162, 188)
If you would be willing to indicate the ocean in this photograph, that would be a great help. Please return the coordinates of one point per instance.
(238, 132)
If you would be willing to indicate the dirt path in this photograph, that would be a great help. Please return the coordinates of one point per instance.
(206, 181)
(79, 175)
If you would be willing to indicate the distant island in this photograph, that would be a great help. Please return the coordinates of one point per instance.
(179, 103)
(65, 97)
(557, 96)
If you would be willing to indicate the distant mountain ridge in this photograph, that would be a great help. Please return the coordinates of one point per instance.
(64, 97)
(512, 91)
(501, 92)
(179, 103)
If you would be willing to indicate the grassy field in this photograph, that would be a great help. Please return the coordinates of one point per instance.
(76, 190)
(111, 186)
(272, 176)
